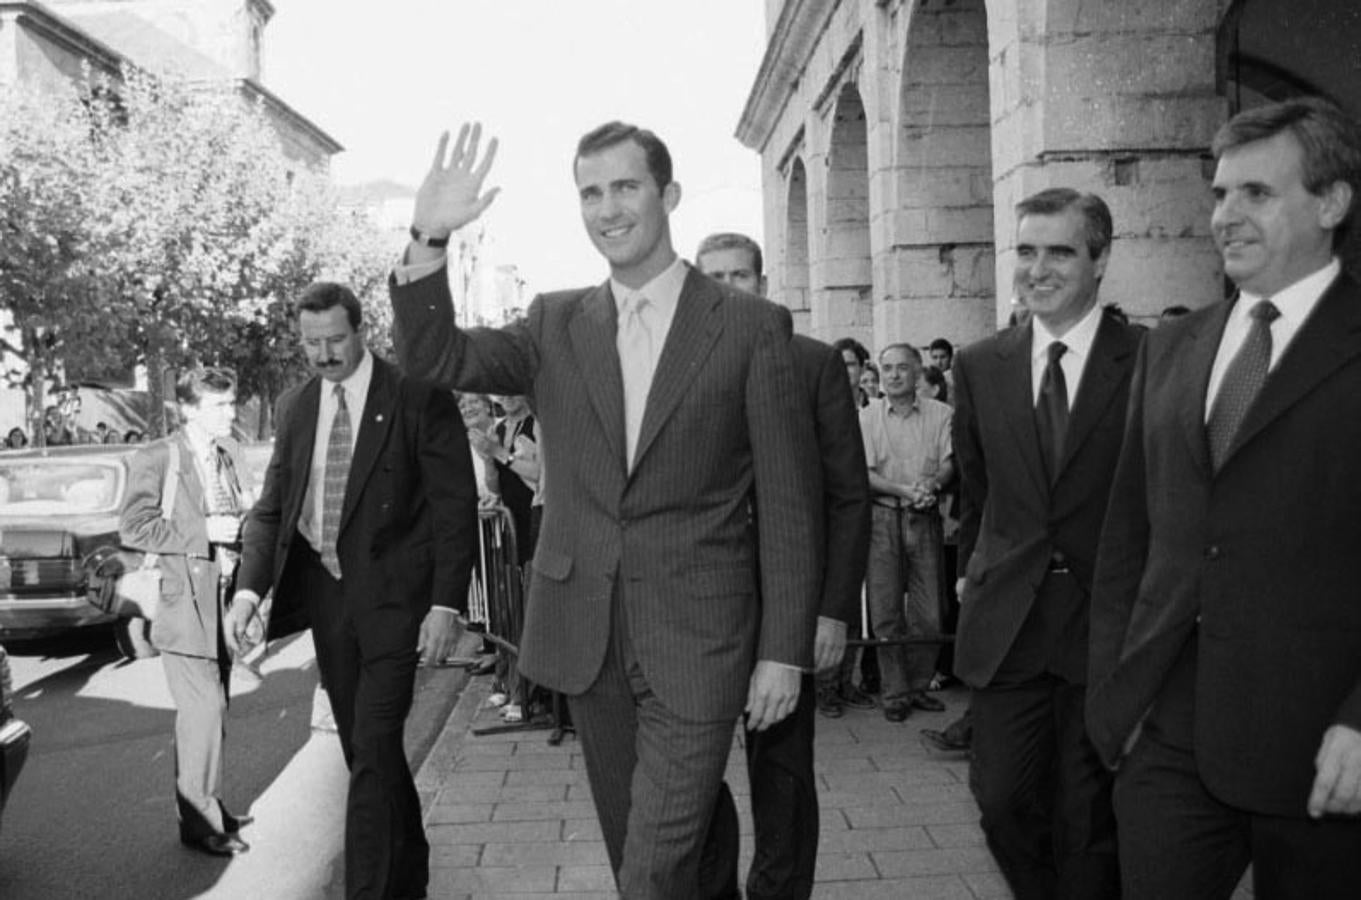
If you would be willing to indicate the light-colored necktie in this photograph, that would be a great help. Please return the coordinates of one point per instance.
(635, 363)
(1243, 381)
(333, 484)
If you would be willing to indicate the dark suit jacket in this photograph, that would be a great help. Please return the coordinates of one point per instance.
(408, 532)
(1012, 519)
(726, 416)
(845, 482)
(1264, 553)
(190, 599)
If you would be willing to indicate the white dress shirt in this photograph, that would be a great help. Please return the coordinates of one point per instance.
(1294, 302)
(356, 389)
(1078, 340)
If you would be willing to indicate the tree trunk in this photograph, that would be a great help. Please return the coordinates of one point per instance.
(155, 376)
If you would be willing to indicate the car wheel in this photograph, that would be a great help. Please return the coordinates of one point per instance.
(133, 637)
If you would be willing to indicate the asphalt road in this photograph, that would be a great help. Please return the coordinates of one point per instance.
(93, 814)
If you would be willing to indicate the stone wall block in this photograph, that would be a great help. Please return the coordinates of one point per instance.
(944, 104)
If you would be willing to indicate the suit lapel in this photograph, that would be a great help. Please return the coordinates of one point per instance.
(1196, 361)
(1101, 379)
(304, 425)
(379, 412)
(1016, 398)
(1329, 337)
(694, 330)
(592, 331)
(191, 486)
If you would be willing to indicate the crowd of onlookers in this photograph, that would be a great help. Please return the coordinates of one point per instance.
(60, 431)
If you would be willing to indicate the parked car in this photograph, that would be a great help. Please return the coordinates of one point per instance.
(59, 518)
(14, 735)
(57, 507)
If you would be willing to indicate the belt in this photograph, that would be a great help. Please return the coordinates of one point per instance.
(899, 506)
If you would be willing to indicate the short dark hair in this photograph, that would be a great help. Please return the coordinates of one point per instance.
(193, 384)
(731, 240)
(1330, 139)
(323, 295)
(943, 344)
(849, 343)
(614, 133)
(936, 378)
(1095, 213)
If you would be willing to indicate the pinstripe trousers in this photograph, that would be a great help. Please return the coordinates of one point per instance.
(654, 775)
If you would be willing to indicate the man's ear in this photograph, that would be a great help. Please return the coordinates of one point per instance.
(1336, 202)
(671, 196)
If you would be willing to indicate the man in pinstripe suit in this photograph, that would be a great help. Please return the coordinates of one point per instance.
(670, 408)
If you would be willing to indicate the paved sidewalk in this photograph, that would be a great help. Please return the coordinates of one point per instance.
(509, 816)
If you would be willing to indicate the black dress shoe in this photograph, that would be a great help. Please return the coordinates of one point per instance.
(215, 844)
(897, 711)
(925, 702)
(232, 824)
(944, 740)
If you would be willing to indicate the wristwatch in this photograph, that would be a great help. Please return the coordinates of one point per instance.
(424, 239)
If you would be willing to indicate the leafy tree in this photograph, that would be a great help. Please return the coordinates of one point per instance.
(160, 223)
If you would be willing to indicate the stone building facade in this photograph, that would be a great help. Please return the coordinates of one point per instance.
(896, 137)
(209, 41)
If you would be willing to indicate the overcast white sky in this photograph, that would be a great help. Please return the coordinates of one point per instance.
(384, 79)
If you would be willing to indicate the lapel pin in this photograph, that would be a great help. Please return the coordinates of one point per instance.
(378, 418)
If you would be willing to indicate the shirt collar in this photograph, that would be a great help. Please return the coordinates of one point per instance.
(1295, 301)
(357, 384)
(1078, 339)
(663, 291)
(913, 405)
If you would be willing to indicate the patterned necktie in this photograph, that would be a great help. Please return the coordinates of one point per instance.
(337, 474)
(1051, 412)
(1243, 380)
(221, 499)
(635, 363)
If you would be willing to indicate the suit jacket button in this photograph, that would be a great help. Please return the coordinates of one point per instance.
(1212, 552)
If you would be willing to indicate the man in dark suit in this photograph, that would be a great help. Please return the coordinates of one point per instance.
(665, 403)
(368, 521)
(1226, 617)
(784, 796)
(1038, 416)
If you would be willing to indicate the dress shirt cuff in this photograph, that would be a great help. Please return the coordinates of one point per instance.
(782, 665)
(247, 594)
(449, 609)
(832, 623)
(405, 273)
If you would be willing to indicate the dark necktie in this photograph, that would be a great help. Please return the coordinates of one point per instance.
(1051, 412)
(1243, 380)
(337, 474)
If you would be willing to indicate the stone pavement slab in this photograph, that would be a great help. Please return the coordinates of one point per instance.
(510, 817)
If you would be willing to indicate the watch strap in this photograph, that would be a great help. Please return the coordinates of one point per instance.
(421, 237)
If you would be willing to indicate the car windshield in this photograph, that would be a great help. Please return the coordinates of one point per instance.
(41, 487)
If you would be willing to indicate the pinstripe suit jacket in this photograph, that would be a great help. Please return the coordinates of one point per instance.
(727, 422)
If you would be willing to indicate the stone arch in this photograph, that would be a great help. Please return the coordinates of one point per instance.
(796, 245)
(842, 277)
(941, 271)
